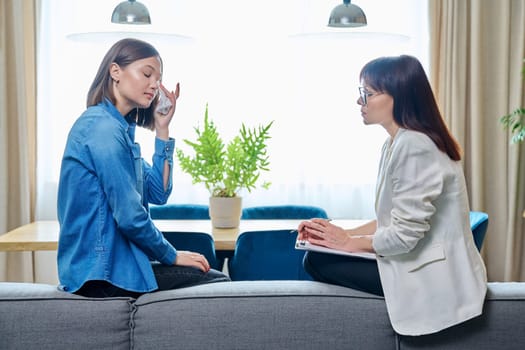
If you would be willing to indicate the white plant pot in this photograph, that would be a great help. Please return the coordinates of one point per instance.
(225, 212)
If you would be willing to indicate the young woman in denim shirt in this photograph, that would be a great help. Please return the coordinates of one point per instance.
(107, 239)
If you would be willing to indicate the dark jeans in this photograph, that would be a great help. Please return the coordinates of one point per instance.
(352, 272)
(168, 277)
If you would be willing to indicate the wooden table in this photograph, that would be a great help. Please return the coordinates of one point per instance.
(43, 235)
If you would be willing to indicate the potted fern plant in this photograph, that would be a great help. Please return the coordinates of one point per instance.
(226, 169)
(515, 121)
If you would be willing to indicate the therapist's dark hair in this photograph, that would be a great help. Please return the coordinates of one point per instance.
(123, 53)
(415, 107)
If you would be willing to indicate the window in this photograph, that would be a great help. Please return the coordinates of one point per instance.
(252, 62)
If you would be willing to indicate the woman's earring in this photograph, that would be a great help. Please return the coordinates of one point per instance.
(138, 118)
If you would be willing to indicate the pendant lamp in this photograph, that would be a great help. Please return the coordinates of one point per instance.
(130, 12)
(347, 15)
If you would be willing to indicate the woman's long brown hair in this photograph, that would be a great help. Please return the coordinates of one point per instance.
(123, 53)
(415, 107)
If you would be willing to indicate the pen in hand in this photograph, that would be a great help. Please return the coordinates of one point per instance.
(296, 231)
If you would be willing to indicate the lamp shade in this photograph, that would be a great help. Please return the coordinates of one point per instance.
(130, 12)
(347, 15)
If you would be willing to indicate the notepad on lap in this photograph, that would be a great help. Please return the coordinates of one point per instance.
(305, 245)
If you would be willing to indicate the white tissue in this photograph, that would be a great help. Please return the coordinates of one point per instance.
(164, 104)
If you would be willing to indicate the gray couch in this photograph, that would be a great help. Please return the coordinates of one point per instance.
(241, 315)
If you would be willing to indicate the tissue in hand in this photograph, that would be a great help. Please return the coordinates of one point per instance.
(164, 104)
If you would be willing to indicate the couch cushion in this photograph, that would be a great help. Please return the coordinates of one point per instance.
(262, 315)
(38, 316)
(501, 326)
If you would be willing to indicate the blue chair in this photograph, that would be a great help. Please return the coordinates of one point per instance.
(271, 255)
(194, 241)
(198, 242)
(270, 212)
(479, 222)
(267, 255)
(179, 212)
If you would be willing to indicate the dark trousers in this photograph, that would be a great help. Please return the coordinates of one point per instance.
(168, 277)
(352, 272)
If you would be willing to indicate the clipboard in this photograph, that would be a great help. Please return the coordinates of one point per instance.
(305, 245)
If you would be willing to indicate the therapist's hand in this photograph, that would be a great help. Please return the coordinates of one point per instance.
(322, 232)
(185, 258)
(302, 232)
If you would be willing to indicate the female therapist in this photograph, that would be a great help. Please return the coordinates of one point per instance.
(427, 267)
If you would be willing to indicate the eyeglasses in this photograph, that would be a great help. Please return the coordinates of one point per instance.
(365, 94)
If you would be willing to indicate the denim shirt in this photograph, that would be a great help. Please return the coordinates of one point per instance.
(105, 186)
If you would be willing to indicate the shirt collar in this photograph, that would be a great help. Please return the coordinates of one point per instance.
(125, 122)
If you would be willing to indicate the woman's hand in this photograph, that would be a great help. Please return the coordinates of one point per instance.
(309, 228)
(301, 232)
(322, 232)
(185, 258)
(162, 121)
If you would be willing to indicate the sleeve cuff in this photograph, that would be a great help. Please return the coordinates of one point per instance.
(169, 258)
(165, 148)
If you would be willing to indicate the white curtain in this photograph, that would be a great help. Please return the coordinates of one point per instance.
(477, 58)
(17, 129)
(252, 62)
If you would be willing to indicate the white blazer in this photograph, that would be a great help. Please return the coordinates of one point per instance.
(432, 274)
